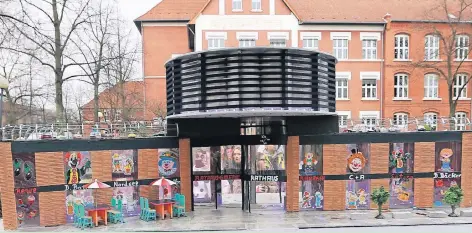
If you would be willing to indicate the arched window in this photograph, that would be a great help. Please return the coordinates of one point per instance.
(402, 47)
(400, 85)
(461, 120)
(431, 119)
(431, 47)
(400, 119)
(459, 82)
(462, 47)
(431, 86)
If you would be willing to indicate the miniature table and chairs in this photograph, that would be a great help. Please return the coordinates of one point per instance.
(163, 206)
(98, 212)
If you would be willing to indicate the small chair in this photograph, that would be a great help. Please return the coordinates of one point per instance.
(143, 209)
(76, 215)
(117, 215)
(174, 207)
(180, 207)
(85, 221)
(150, 213)
(113, 207)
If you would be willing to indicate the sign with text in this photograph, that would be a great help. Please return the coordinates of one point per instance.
(447, 175)
(216, 177)
(264, 178)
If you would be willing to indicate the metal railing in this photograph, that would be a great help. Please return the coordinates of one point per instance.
(404, 125)
(99, 130)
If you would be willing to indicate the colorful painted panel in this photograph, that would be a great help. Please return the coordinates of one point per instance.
(230, 158)
(448, 159)
(27, 206)
(357, 194)
(130, 200)
(169, 163)
(312, 195)
(401, 157)
(201, 159)
(448, 156)
(358, 158)
(311, 160)
(77, 167)
(124, 165)
(84, 197)
(202, 191)
(401, 193)
(269, 157)
(231, 191)
(24, 170)
(440, 187)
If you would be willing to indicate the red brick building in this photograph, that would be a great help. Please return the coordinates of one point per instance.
(373, 82)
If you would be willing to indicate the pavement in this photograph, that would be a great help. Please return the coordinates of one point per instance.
(234, 219)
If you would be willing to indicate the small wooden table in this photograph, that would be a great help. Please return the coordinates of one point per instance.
(162, 206)
(98, 211)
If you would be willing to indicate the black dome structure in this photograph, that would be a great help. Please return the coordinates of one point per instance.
(220, 92)
(262, 81)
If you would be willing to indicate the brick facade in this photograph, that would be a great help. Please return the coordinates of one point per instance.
(49, 168)
(293, 184)
(466, 168)
(185, 172)
(379, 155)
(52, 208)
(424, 162)
(334, 163)
(7, 187)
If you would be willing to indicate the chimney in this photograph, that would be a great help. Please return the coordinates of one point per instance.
(387, 18)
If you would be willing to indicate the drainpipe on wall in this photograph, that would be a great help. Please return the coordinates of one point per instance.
(386, 19)
(142, 67)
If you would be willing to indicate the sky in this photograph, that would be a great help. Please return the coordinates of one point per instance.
(132, 9)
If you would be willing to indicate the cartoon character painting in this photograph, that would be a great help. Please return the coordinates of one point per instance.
(318, 199)
(362, 197)
(117, 163)
(75, 174)
(129, 164)
(445, 158)
(309, 163)
(351, 200)
(21, 217)
(357, 161)
(398, 160)
(307, 197)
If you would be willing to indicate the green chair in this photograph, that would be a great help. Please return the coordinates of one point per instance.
(113, 207)
(76, 215)
(174, 207)
(141, 206)
(180, 207)
(117, 214)
(85, 221)
(150, 214)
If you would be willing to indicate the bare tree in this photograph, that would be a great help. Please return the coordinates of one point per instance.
(49, 26)
(92, 42)
(450, 22)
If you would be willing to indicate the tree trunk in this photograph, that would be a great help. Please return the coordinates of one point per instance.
(95, 104)
(453, 214)
(58, 64)
(379, 216)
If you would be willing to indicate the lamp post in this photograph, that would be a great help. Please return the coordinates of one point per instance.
(3, 85)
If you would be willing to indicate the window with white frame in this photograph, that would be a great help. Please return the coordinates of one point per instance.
(310, 40)
(400, 86)
(343, 120)
(369, 118)
(460, 86)
(431, 119)
(341, 88)
(237, 5)
(278, 39)
(461, 120)
(247, 39)
(402, 48)
(256, 5)
(118, 114)
(369, 89)
(340, 48)
(400, 119)
(431, 47)
(369, 49)
(216, 40)
(462, 47)
(431, 86)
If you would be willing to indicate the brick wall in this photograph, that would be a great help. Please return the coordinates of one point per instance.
(185, 172)
(49, 168)
(7, 187)
(379, 153)
(466, 168)
(101, 165)
(52, 208)
(293, 185)
(148, 169)
(424, 158)
(334, 163)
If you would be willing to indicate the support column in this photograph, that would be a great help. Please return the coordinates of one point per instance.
(424, 158)
(148, 168)
(7, 187)
(293, 185)
(466, 168)
(334, 163)
(185, 172)
(101, 170)
(379, 154)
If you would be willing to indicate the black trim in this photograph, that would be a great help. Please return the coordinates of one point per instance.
(352, 138)
(93, 145)
(277, 139)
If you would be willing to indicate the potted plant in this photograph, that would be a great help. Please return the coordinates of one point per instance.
(380, 197)
(453, 197)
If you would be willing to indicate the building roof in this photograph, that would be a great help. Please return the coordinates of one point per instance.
(321, 11)
(110, 97)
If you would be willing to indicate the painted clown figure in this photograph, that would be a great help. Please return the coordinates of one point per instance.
(74, 174)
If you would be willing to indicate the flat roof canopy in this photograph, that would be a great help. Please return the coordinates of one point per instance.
(250, 113)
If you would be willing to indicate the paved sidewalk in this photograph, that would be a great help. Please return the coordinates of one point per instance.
(233, 219)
